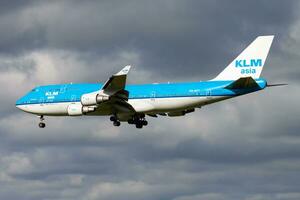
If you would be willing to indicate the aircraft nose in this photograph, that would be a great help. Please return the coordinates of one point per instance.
(25, 108)
(20, 104)
(19, 107)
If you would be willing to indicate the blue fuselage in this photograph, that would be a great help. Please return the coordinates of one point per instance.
(73, 92)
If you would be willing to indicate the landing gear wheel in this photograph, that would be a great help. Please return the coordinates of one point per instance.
(139, 125)
(117, 123)
(145, 123)
(42, 125)
(113, 118)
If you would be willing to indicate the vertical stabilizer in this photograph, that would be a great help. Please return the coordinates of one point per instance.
(250, 62)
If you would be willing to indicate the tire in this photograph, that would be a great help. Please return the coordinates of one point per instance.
(42, 125)
(145, 123)
(117, 123)
(139, 125)
(113, 118)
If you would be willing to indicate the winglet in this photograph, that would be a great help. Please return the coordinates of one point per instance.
(124, 71)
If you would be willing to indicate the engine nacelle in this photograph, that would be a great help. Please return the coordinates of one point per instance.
(102, 98)
(77, 109)
(94, 98)
(87, 109)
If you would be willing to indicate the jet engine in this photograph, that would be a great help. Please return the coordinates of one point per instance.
(77, 109)
(94, 98)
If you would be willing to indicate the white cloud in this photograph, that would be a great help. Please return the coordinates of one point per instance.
(107, 190)
(16, 164)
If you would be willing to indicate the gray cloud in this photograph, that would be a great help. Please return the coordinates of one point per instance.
(198, 38)
(245, 148)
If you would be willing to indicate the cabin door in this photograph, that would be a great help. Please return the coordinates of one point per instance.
(153, 95)
(208, 94)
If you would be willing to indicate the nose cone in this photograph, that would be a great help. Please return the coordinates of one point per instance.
(20, 107)
(23, 108)
(20, 104)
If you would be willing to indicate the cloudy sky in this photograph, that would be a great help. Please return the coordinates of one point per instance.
(245, 148)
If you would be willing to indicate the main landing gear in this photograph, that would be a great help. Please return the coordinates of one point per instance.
(42, 124)
(139, 121)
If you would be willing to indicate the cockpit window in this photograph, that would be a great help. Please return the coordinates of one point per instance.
(34, 90)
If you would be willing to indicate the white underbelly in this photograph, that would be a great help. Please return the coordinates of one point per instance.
(171, 104)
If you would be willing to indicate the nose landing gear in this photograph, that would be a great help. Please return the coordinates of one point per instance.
(42, 124)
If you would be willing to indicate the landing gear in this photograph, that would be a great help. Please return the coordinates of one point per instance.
(144, 122)
(139, 121)
(42, 124)
(139, 125)
(117, 123)
(115, 120)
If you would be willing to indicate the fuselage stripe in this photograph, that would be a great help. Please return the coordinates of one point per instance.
(134, 98)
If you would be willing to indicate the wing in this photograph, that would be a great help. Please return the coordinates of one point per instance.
(112, 93)
(116, 82)
(114, 87)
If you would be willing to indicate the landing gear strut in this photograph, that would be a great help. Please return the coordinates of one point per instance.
(42, 124)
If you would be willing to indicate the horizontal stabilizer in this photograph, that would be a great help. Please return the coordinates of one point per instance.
(243, 83)
(275, 85)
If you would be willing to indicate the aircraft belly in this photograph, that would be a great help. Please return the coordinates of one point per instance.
(162, 104)
(171, 104)
(142, 105)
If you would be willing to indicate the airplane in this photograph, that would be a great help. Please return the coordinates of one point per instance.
(132, 103)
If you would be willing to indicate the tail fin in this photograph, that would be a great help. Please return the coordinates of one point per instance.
(250, 62)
